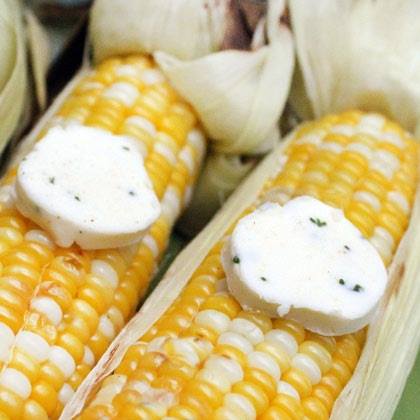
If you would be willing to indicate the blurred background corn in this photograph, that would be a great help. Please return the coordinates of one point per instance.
(206, 358)
(60, 308)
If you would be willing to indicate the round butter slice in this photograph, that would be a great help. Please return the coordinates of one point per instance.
(305, 261)
(87, 186)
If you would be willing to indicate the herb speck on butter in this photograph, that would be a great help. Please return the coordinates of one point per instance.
(347, 247)
(76, 197)
(132, 193)
(357, 288)
(52, 179)
(263, 278)
(126, 148)
(236, 259)
(317, 222)
(342, 282)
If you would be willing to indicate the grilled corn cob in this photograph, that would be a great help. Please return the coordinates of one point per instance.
(206, 357)
(61, 307)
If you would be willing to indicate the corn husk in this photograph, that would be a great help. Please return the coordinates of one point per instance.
(220, 177)
(12, 69)
(185, 28)
(39, 52)
(393, 337)
(358, 54)
(239, 95)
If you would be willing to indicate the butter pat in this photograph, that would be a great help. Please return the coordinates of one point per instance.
(87, 186)
(305, 261)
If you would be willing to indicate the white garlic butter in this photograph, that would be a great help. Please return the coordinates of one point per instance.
(87, 186)
(305, 261)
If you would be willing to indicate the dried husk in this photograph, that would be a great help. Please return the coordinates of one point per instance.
(392, 341)
(12, 69)
(358, 54)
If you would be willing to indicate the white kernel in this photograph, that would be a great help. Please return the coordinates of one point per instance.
(33, 344)
(215, 378)
(127, 70)
(385, 235)
(387, 158)
(382, 247)
(166, 152)
(400, 200)
(7, 338)
(285, 388)
(265, 362)
(381, 167)
(86, 86)
(312, 138)
(117, 318)
(88, 357)
(111, 386)
(236, 340)
(284, 339)
(393, 138)
(196, 138)
(152, 76)
(374, 121)
(157, 344)
(360, 148)
(215, 320)
(248, 329)
(230, 368)
(49, 308)
(346, 130)
(106, 327)
(106, 271)
(150, 242)
(157, 409)
(65, 394)
(331, 147)
(187, 158)
(368, 198)
(240, 403)
(307, 366)
(142, 123)
(36, 235)
(186, 350)
(63, 360)
(17, 382)
(171, 205)
(122, 92)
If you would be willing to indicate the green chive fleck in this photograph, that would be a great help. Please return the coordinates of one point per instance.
(126, 148)
(357, 288)
(131, 193)
(52, 179)
(76, 197)
(347, 247)
(317, 222)
(342, 282)
(263, 278)
(236, 259)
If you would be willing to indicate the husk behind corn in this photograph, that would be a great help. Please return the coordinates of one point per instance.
(12, 69)
(360, 54)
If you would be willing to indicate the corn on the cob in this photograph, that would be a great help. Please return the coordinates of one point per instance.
(208, 358)
(60, 308)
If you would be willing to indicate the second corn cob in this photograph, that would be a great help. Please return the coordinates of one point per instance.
(60, 308)
(208, 358)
